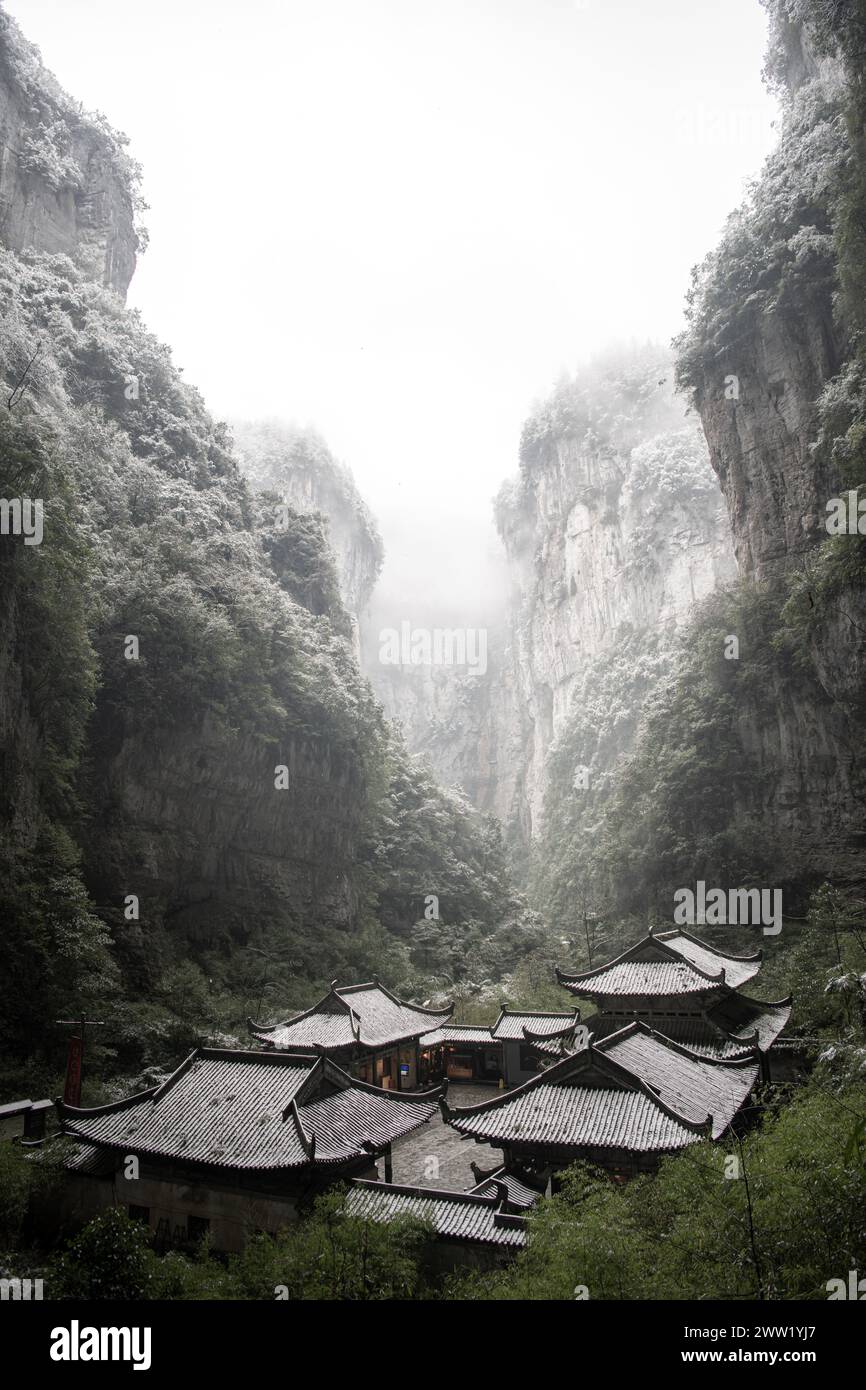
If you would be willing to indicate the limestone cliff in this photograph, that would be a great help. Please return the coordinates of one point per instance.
(772, 363)
(614, 526)
(198, 791)
(66, 182)
(297, 465)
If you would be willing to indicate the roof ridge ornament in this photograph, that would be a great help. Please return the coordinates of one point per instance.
(308, 1140)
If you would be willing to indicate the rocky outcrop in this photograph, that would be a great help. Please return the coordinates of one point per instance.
(66, 183)
(760, 443)
(298, 466)
(615, 523)
(604, 535)
(770, 362)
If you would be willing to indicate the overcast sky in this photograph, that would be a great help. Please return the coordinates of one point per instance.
(401, 221)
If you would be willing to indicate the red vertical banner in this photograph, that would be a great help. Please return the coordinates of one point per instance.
(72, 1091)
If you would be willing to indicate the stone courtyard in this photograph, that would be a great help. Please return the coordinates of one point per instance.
(436, 1156)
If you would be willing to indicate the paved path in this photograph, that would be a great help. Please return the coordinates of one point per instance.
(436, 1156)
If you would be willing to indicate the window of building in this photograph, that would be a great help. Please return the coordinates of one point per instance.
(137, 1213)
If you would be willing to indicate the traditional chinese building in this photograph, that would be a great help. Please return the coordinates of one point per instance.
(233, 1142)
(516, 1047)
(530, 1040)
(482, 1226)
(689, 991)
(25, 1119)
(621, 1103)
(365, 1028)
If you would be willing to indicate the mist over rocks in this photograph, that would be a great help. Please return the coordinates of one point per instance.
(190, 731)
(614, 524)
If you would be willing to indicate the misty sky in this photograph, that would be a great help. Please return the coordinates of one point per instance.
(400, 222)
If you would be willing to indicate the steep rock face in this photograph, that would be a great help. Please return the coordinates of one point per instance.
(192, 823)
(66, 185)
(769, 362)
(760, 443)
(461, 723)
(615, 524)
(297, 465)
(764, 340)
(604, 535)
(237, 673)
(175, 801)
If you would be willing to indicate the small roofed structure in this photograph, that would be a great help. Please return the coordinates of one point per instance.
(621, 1103)
(25, 1119)
(688, 990)
(469, 1227)
(234, 1141)
(462, 1052)
(530, 1040)
(513, 1049)
(366, 1028)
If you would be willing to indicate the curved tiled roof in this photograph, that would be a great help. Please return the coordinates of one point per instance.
(253, 1110)
(519, 1193)
(366, 1014)
(662, 965)
(692, 1086)
(458, 1033)
(465, 1216)
(533, 1027)
(636, 1090)
(578, 1117)
(751, 1019)
(729, 1027)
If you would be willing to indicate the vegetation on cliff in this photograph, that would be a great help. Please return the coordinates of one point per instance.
(151, 532)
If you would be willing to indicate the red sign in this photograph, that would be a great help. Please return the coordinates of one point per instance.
(72, 1091)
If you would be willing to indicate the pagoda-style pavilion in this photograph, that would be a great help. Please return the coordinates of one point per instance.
(233, 1142)
(367, 1029)
(689, 991)
(621, 1103)
(513, 1049)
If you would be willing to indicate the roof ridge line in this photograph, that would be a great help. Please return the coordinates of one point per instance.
(434, 1193)
(596, 970)
(376, 983)
(698, 941)
(305, 1013)
(620, 1072)
(108, 1109)
(639, 1024)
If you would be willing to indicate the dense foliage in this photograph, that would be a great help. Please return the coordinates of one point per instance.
(245, 658)
(696, 1232)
